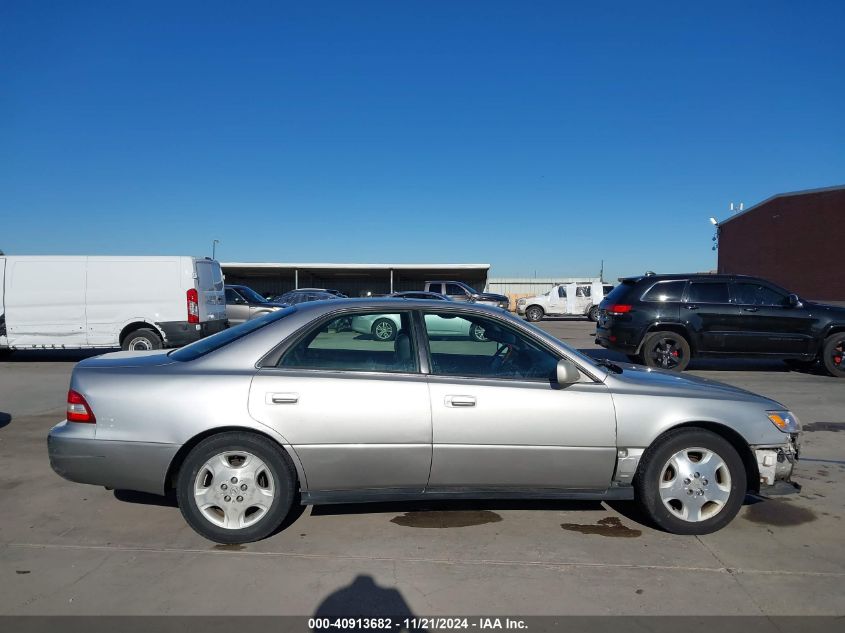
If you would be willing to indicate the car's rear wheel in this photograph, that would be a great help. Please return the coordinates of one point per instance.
(691, 482)
(833, 354)
(142, 340)
(384, 330)
(593, 314)
(235, 487)
(666, 350)
(534, 313)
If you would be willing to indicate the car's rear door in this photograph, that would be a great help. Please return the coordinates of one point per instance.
(501, 423)
(354, 408)
(708, 313)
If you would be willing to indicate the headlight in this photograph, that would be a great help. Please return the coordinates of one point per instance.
(521, 302)
(786, 421)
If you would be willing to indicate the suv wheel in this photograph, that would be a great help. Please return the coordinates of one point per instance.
(666, 350)
(593, 315)
(691, 481)
(833, 354)
(534, 313)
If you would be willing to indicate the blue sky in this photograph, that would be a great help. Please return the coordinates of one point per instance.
(541, 137)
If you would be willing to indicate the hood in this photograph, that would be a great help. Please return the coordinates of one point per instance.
(824, 308)
(491, 296)
(670, 383)
(148, 358)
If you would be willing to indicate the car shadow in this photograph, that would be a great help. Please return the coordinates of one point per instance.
(147, 499)
(5, 419)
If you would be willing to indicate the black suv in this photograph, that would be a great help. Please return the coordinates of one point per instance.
(664, 320)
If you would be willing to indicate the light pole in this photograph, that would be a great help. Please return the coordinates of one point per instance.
(214, 249)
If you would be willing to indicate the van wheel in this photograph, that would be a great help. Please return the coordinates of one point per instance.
(833, 354)
(235, 487)
(691, 481)
(142, 340)
(593, 314)
(666, 350)
(534, 313)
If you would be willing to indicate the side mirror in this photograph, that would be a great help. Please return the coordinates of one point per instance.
(795, 301)
(567, 372)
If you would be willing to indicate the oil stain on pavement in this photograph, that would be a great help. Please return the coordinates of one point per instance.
(610, 526)
(441, 519)
(778, 513)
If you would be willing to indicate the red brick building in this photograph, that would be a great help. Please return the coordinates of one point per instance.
(793, 239)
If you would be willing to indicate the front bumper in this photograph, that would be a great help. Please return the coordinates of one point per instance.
(77, 455)
(776, 464)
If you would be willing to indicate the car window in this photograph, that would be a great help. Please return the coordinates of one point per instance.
(708, 292)
(454, 289)
(370, 341)
(480, 347)
(665, 291)
(582, 291)
(759, 295)
(561, 292)
(438, 288)
(233, 297)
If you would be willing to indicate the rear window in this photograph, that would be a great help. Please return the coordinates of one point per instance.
(666, 291)
(617, 295)
(221, 339)
(209, 276)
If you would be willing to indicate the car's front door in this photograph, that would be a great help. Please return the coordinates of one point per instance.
(354, 408)
(456, 292)
(501, 422)
(770, 325)
(708, 313)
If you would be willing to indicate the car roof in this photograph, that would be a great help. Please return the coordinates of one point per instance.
(695, 276)
(397, 303)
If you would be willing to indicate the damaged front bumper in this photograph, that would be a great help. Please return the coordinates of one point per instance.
(775, 465)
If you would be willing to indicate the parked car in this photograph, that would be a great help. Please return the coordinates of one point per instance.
(570, 299)
(80, 302)
(287, 407)
(459, 291)
(243, 304)
(331, 291)
(302, 295)
(386, 328)
(419, 294)
(665, 320)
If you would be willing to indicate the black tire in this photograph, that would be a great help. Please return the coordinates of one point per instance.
(142, 339)
(833, 354)
(384, 330)
(593, 314)
(651, 473)
(284, 486)
(534, 313)
(666, 350)
(637, 359)
(476, 333)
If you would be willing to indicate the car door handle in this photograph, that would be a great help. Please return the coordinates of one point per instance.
(460, 401)
(750, 309)
(691, 307)
(282, 398)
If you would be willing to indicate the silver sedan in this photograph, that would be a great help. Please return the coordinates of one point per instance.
(294, 404)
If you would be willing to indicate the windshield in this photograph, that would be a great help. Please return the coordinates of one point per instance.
(221, 339)
(251, 295)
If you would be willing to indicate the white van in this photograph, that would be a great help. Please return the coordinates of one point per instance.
(136, 303)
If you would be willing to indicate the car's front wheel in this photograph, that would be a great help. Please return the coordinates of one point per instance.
(833, 354)
(593, 314)
(235, 487)
(534, 313)
(691, 481)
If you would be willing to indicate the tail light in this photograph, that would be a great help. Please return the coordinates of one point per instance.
(619, 308)
(77, 409)
(193, 306)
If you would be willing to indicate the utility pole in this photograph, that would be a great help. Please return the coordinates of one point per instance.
(214, 249)
(601, 272)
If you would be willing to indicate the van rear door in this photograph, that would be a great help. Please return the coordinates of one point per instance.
(209, 284)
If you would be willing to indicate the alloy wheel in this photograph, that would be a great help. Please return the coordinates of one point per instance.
(234, 490)
(667, 353)
(695, 484)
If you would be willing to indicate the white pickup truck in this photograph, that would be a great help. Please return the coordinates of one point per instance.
(570, 299)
